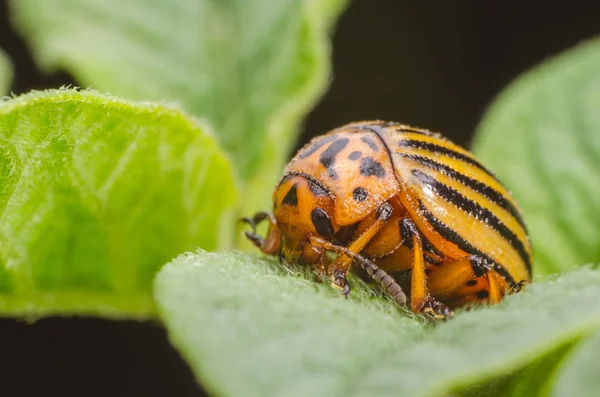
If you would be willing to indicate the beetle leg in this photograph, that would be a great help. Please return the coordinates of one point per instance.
(420, 300)
(495, 292)
(418, 285)
(436, 309)
(340, 281)
(341, 265)
(269, 245)
(380, 276)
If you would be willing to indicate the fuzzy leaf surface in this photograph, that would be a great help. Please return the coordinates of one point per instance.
(249, 327)
(96, 193)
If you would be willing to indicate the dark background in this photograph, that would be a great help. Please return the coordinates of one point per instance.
(432, 64)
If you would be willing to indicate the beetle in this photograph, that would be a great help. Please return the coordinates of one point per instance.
(398, 200)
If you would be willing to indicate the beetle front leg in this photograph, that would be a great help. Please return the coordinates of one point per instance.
(386, 281)
(339, 268)
(269, 245)
(436, 309)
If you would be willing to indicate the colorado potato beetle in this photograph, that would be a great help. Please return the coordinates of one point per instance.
(401, 203)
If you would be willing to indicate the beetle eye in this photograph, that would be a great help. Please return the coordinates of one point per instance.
(322, 222)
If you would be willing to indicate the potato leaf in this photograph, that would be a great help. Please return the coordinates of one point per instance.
(96, 193)
(541, 138)
(535, 379)
(248, 327)
(579, 375)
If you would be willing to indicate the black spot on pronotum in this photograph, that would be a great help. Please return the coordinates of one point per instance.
(291, 198)
(355, 155)
(483, 294)
(370, 143)
(370, 167)
(360, 194)
(471, 283)
(317, 145)
(322, 222)
(327, 158)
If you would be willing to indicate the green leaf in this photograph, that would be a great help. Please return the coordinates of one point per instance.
(249, 327)
(5, 73)
(579, 376)
(96, 194)
(541, 138)
(535, 379)
(253, 68)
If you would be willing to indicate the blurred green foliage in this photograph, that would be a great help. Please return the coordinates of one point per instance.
(252, 69)
(542, 139)
(250, 327)
(5, 73)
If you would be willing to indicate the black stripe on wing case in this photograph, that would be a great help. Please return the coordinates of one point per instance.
(434, 148)
(471, 207)
(449, 234)
(487, 191)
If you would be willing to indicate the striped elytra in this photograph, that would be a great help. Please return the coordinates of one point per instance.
(422, 216)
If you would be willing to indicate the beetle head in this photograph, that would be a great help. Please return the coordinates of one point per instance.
(302, 210)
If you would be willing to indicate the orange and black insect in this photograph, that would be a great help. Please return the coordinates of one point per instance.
(399, 201)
